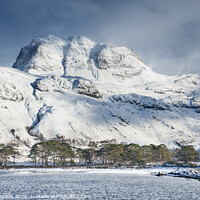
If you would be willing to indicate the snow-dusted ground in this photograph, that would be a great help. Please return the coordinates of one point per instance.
(145, 171)
(86, 91)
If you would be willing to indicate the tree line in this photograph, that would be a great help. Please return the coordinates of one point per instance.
(105, 153)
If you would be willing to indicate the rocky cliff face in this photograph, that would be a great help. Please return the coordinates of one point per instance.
(85, 91)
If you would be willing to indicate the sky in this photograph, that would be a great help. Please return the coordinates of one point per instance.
(165, 34)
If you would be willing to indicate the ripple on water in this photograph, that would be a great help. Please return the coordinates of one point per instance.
(95, 186)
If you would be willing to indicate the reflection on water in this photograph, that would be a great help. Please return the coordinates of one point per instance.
(95, 186)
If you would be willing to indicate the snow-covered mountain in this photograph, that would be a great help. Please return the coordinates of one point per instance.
(82, 90)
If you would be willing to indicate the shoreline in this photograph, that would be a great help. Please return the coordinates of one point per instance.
(136, 171)
(187, 173)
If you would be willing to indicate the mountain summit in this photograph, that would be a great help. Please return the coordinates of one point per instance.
(83, 90)
(78, 56)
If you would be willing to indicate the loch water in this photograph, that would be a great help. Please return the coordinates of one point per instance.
(96, 186)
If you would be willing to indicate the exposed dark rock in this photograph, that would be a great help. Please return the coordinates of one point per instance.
(86, 88)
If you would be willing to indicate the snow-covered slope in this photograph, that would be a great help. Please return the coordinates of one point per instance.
(86, 91)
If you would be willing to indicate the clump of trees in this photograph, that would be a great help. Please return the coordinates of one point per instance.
(53, 152)
(7, 154)
(58, 152)
(129, 154)
(187, 154)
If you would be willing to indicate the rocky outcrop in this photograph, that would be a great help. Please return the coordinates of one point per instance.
(189, 79)
(141, 101)
(183, 102)
(86, 88)
(8, 91)
(52, 84)
(60, 84)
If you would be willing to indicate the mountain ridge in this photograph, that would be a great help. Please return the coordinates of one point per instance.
(85, 90)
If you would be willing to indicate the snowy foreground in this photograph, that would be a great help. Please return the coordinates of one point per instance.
(135, 171)
(167, 171)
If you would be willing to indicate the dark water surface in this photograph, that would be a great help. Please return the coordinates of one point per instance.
(95, 186)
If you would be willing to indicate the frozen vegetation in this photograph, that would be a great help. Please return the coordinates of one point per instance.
(88, 91)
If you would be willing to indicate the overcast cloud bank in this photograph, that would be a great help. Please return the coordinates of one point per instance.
(164, 33)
